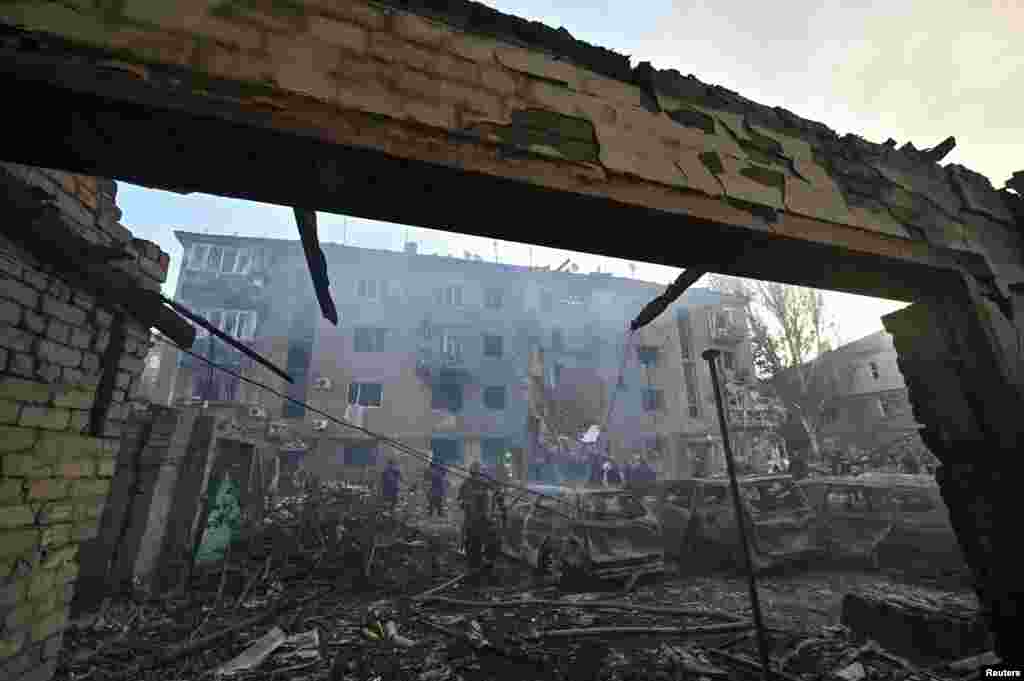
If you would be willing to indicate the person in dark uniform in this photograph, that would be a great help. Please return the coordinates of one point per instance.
(438, 488)
(389, 482)
(474, 498)
(798, 466)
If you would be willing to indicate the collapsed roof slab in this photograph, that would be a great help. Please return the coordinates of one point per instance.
(346, 107)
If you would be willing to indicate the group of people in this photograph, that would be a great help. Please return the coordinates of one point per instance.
(481, 499)
(605, 472)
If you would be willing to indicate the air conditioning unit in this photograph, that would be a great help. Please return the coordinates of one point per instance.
(323, 383)
(257, 412)
(320, 424)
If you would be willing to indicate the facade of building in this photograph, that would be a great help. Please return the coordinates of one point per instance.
(867, 408)
(435, 351)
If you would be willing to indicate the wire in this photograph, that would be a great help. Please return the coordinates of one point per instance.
(618, 382)
(396, 444)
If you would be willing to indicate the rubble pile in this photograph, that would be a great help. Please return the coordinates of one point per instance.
(920, 623)
(333, 588)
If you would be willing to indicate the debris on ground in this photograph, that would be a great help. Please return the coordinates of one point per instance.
(924, 624)
(295, 600)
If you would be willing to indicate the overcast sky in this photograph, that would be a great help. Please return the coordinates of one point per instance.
(912, 70)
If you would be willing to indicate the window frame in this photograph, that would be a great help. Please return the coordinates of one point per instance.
(659, 399)
(648, 352)
(357, 387)
(489, 340)
(493, 294)
(377, 336)
(491, 390)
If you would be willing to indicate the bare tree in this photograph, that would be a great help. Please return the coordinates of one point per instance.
(790, 357)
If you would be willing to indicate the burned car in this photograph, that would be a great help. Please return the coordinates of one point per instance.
(854, 516)
(890, 517)
(699, 525)
(602, 533)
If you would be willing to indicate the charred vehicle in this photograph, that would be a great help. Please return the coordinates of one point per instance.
(854, 516)
(892, 517)
(600, 533)
(922, 532)
(699, 525)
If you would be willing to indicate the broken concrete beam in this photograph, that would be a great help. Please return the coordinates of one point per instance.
(921, 629)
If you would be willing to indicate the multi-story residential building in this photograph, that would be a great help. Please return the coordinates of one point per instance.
(434, 351)
(866, 404)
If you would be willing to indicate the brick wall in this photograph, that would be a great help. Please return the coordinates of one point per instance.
(55, 346)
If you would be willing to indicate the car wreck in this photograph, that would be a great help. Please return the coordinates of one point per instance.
(854, 515)
(601, 533)
(910, 521)
(699, 524)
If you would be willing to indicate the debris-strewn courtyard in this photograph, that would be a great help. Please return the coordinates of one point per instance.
(331, 588)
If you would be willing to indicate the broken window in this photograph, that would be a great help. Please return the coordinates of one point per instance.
(370, 339)
(451, 347)
(654, 399)
(492, 346)
(446, 451)
(494, 397)
(365, 394)
(492, 451)
(447, 392)
(242, 266)
(229, 260)
(367, 288)
(360, 455)
(647, 355)
(449, 295)
(197, 260)
(214, 257)
(230, 321)
(494, 298)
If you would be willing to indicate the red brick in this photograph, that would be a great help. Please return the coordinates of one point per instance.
(49, 488)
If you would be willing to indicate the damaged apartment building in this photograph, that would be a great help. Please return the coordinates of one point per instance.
(434, 351)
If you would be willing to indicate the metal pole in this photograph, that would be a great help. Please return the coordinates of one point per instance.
(711, 355)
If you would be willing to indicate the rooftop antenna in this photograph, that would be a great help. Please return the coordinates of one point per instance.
(344, 231)
(495, 250)
(531, 258)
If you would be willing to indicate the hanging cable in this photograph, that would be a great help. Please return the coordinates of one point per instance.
(425, 457)
(619, 381)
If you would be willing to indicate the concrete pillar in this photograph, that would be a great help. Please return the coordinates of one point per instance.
(960, 382)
